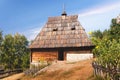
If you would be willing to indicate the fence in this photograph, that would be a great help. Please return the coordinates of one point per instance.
(9, 72)
(105, 72)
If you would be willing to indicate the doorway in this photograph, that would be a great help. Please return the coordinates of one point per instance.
(61, 55)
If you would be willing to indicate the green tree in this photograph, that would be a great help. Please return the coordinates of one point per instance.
(97, 34)
(113, 33)
(22, 51)
(109, 53)
(15, 51)
(114, 30)
(1, 38)
(7, 51)
(107, 50)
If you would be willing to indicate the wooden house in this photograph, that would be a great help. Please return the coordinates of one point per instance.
(61, 38)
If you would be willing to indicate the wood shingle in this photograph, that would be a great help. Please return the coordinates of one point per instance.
(61, 31)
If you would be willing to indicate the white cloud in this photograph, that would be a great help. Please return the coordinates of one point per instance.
(100, 10)
(32, 33)
(99, 17)
(91, 19)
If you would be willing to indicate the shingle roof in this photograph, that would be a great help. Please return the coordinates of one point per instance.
(61, 31)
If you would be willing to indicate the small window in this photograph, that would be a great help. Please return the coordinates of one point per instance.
(55, 29)
(73, 27)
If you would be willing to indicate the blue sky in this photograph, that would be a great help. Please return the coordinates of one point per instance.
(29, 16)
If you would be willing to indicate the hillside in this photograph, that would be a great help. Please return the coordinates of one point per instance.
(65, 71)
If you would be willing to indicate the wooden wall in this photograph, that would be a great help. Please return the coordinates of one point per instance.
(52, 53)
(44, 56)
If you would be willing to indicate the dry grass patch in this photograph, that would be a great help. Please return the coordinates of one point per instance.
(67, 72)
(74, 71)
(53, 73)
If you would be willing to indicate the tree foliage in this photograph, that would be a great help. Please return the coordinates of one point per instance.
(1, 38)
(97, 34)
(15, 53)
(114, 30)
(111, 34)
(107, 50)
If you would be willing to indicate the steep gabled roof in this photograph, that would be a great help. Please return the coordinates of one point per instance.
(61, 31)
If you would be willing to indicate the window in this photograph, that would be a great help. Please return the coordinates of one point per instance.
(73, 27)
(55, 29)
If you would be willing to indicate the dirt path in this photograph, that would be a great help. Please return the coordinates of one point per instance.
(14, 77)
(66, 71)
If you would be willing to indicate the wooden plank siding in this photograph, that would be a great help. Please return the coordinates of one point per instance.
(52, 54)
(44, 56)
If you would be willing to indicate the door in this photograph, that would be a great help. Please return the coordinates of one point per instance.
(60, 54)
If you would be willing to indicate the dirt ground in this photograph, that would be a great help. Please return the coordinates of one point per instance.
(14, 77)
(66, 71)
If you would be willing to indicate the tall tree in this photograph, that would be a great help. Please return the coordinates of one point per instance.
(97, 34)
(107, 50)
(21, 47)
(7, 51)
(1, 38)
(114, 30)
(14, 49)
